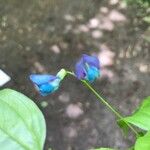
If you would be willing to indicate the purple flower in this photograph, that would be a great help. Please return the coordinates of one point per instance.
(47, 84)
(88, 68)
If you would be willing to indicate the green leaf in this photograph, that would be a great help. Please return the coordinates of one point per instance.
(141, 117)
(123, 126)
(22, 125)
(143, 143)
(131, 148)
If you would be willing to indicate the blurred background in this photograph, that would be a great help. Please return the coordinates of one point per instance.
(43, 36)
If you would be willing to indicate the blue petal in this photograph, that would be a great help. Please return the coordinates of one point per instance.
(55, 83)
(91, 60)
(80, 70)
(92, 74)
(46, 89)
(41, 79)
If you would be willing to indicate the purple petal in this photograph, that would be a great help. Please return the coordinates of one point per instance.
(41, 79)
(79, 69)
(91, 60)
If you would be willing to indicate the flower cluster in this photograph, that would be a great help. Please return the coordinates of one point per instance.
(87, 68)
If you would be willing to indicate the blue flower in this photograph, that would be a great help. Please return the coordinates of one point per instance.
(47, 84)
(88, 68)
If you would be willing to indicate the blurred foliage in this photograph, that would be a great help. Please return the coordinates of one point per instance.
(143, 13)
(143, 3)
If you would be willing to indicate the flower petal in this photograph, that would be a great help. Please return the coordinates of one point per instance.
(92, 74)
(79, 70)
(91, 60)
(41, 79)
(46, 89)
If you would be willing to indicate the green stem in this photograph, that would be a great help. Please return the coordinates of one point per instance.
(105, 103)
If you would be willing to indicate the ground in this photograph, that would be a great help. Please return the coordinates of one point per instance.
(44, 36)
